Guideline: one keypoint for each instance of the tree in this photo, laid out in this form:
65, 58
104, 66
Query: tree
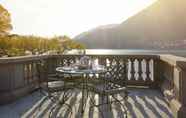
5, 21
4, 45
18, 45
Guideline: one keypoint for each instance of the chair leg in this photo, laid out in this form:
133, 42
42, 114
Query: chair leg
92, 102
61, 103
104, 103
108, 102
52, 109
70, 108
124, 107
64, 99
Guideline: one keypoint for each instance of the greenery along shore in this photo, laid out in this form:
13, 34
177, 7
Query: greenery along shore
19, 45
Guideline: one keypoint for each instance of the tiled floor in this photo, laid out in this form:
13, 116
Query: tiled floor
142, 103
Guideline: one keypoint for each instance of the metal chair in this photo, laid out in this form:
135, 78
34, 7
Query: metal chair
108, 88
53, 87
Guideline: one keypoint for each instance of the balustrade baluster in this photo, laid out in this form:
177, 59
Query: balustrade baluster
111, 61
26, 74
148, 79
57, 62
140, 70
62, 61
132, 72
32, 72
35, 71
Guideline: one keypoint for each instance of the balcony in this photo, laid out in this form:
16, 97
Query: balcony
156, 84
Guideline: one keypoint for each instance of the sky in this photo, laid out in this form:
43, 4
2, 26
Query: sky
68, 17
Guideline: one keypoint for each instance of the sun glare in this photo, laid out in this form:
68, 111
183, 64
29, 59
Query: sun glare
68, 17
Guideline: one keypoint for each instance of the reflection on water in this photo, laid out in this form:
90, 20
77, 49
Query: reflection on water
125, 51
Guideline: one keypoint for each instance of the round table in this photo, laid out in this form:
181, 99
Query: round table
73, 70
98, 69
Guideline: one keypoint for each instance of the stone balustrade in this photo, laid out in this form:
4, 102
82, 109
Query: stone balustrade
18, 75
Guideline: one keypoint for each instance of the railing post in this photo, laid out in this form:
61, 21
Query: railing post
51, 64
174, 88
157, 73
180, 76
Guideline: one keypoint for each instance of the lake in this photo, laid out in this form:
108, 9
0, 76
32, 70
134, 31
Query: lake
128, 51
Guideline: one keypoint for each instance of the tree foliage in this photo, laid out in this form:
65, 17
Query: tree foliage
5, 21
17, 45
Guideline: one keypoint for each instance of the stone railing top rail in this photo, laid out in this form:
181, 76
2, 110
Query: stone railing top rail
145, 56
174, 60
18, 59
171, 59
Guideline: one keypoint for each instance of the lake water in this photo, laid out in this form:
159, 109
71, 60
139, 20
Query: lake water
129, 51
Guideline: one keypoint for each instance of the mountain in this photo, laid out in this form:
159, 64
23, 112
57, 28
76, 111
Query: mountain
161, 25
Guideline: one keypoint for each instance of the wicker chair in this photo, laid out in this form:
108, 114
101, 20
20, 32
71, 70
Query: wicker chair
53, 86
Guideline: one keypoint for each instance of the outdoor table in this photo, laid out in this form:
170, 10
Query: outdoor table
98, 69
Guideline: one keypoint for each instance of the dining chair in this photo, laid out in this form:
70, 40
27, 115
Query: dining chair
109, 88
53, 87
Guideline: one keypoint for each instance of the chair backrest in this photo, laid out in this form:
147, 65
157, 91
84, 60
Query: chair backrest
116, 75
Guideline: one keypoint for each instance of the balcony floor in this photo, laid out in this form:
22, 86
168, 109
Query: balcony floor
142, 103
